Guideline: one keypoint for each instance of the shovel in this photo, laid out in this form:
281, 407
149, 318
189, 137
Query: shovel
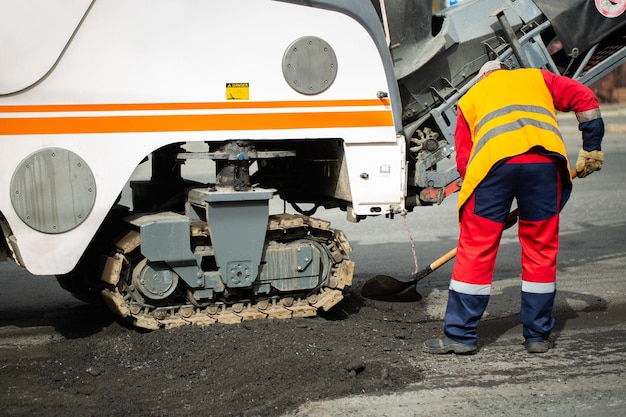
386, 288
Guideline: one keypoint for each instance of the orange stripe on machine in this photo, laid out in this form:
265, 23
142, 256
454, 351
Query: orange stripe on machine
106, 118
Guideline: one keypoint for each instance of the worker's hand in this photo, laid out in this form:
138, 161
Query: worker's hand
588, 162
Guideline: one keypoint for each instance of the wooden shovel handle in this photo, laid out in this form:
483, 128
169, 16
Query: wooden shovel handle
444, 259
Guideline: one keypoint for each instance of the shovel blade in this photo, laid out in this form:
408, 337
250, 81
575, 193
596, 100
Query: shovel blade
386, 288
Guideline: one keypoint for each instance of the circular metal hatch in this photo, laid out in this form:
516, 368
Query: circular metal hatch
310, 65
53, 190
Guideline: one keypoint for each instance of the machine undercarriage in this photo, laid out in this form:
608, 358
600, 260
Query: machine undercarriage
172, 262
305, 267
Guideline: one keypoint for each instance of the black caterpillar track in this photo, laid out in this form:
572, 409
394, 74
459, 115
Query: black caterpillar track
123, 299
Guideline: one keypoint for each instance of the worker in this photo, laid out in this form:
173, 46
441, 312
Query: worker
508, 146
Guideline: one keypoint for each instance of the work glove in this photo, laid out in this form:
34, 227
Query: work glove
588, 162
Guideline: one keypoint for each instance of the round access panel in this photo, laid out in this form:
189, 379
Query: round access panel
53, 190
310, 65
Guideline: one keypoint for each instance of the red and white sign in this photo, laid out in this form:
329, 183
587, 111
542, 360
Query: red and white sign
611, 8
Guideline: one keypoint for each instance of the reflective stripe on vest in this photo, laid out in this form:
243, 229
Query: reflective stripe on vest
516, 124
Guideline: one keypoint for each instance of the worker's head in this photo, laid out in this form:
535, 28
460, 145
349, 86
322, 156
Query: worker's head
489, 67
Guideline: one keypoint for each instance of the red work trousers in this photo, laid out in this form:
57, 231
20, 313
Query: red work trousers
534, 181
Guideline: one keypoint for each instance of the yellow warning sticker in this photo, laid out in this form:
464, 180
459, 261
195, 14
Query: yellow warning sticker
237, 91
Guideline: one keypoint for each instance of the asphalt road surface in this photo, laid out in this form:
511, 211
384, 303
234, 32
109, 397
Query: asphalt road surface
42, 327
584, 375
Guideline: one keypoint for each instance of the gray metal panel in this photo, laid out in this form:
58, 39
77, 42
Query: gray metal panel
258, 195
310, 65
165, 237
293, 266
237, 224
53, 190
238, 235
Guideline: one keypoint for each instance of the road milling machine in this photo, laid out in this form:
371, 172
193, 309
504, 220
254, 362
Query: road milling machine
334, 104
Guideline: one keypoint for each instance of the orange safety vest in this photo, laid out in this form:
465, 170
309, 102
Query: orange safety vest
508, 113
